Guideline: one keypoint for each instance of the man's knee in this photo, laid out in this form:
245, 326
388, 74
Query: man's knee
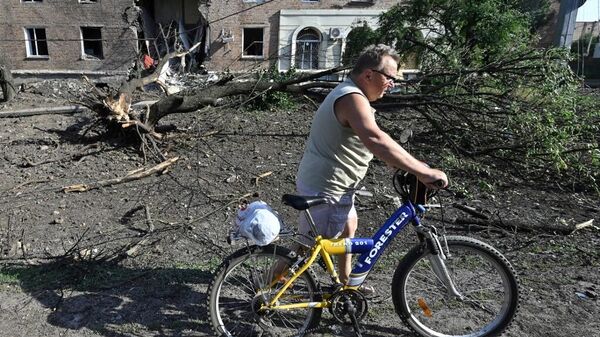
350, 228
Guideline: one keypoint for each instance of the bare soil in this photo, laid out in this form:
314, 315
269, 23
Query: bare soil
180, 219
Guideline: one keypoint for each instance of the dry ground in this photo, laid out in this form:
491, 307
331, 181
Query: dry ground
161, 292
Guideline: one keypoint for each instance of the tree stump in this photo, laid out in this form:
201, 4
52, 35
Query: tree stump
6, 83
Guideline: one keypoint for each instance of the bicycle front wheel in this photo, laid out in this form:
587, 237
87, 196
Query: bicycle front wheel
485, 280
248, 279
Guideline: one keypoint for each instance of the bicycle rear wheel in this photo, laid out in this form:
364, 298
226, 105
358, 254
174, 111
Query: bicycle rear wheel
244, 281
484, 278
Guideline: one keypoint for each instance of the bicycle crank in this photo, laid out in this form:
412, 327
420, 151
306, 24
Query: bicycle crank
349, 307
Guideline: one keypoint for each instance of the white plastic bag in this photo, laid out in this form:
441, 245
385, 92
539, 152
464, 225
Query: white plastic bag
258, 223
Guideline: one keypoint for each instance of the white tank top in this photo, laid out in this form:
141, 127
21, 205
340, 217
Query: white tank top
334, 160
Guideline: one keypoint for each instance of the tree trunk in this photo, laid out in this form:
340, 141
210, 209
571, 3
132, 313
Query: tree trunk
6, 83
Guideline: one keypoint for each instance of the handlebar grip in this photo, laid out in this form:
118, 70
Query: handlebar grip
439, 184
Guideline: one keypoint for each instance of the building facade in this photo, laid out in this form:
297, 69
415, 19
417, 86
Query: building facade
54, 38
45, 38
304, 34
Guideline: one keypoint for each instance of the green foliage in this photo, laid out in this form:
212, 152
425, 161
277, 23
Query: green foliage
538, 12
272, 100
358, 38
491, 93
455, 34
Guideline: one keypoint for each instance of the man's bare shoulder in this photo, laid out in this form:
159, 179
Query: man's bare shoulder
351, 106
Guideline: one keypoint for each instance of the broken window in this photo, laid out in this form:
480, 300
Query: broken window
253, 42
31, 0
87, 1
91, 38
35, 43
308, 43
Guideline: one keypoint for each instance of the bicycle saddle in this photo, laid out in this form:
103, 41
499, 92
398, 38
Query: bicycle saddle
301, 203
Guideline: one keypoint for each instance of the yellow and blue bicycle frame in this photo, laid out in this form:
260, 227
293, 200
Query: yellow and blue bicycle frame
370, 249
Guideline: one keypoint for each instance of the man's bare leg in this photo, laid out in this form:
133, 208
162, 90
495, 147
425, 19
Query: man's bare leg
345, 261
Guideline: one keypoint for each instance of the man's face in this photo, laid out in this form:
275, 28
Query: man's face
382, 78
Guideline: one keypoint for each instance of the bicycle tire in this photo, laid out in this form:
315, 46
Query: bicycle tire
423, 304
240, 284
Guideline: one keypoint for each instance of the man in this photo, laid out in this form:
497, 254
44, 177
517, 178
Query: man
343, 138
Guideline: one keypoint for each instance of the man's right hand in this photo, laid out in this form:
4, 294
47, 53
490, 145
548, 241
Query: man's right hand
434, 179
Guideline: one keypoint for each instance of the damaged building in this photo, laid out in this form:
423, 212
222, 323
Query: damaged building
106, 38
58, 39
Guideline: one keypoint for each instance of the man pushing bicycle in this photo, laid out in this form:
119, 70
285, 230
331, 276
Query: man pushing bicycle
343, 138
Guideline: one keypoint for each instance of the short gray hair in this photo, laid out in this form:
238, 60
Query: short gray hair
371, 57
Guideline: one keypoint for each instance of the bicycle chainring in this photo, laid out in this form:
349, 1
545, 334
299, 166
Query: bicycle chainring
346, 301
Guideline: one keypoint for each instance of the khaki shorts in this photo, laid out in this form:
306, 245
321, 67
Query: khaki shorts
330, 218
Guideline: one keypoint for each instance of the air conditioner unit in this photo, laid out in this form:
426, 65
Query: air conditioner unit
336, 33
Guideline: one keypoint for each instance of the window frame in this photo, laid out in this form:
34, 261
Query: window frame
31, 1
89, 57
316, 43
262, 49
29, 40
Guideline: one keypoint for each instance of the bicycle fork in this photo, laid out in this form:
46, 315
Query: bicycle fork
437, 258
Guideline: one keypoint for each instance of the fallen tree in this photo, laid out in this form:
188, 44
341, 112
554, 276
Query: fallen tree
484, 88
491, 95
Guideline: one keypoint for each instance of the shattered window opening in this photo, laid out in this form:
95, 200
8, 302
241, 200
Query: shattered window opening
36, 44
308, 43
88, 1
91, 40
31, 0
253, 42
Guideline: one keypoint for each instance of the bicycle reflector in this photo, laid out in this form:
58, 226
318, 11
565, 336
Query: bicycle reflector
424, 307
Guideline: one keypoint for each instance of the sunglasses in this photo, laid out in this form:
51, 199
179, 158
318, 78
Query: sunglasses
388, 77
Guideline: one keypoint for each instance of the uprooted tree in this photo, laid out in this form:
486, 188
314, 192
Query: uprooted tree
484, 86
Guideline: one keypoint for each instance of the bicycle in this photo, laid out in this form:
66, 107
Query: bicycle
444, 286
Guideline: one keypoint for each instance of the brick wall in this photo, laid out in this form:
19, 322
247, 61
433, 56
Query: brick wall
266, 15
62, 21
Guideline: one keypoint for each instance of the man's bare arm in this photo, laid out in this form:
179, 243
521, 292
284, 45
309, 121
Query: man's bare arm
355, 111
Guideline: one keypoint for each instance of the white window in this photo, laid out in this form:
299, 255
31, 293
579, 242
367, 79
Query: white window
253, 42
308, 43
35, 42
91, 43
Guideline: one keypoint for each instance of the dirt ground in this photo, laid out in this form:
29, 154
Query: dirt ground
175, 225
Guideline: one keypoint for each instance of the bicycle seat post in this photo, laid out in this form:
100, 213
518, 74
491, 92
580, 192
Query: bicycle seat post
311, 222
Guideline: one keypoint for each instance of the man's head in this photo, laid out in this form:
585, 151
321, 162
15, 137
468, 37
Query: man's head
375, 70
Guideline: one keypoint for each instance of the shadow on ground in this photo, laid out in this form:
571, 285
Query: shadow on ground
118, 301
